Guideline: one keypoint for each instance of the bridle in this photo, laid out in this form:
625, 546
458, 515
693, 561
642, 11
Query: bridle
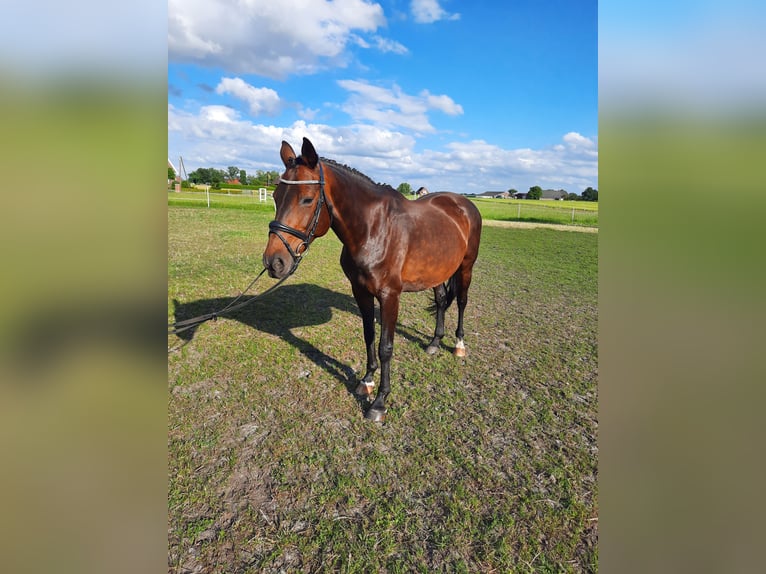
277, 227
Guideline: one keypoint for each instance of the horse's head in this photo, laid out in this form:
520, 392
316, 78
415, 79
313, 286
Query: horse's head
302, 210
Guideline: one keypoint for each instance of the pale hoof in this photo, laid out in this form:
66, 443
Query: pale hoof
460, 349
375, 415
432, 349
364, 390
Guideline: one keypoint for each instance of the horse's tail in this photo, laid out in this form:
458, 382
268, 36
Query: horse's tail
451, 287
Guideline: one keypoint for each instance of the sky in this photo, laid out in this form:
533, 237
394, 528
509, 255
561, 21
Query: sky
454, 96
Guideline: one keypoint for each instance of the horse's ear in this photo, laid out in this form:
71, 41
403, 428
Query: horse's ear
287, 154
309, 153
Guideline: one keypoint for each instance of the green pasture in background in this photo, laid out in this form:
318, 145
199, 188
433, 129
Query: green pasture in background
580, 213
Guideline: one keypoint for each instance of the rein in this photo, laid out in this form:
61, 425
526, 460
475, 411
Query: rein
275, 227
181, 326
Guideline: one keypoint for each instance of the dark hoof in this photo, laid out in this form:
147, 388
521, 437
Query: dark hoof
375, 415
432, 349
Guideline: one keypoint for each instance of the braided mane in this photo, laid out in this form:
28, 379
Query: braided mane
356, 173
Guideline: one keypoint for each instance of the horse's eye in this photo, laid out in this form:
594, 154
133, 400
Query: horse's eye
307, 200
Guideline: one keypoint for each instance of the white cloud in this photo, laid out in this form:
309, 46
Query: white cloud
393, 108
273, 39
428, 11
223, 114
259, 100
308, 113
443, 103
387, 45
216, 136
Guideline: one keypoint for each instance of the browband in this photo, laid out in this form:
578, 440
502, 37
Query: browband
300, 181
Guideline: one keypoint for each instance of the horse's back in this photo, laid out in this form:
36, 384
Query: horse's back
458, 208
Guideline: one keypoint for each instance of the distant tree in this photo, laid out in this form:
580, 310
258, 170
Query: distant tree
572, 197
171, 173
404, 188
590, 194
242, 176
207, 175
535, 192
196, 176
512, 192
232, 172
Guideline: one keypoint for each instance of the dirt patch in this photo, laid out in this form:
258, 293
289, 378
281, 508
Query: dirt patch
533, 225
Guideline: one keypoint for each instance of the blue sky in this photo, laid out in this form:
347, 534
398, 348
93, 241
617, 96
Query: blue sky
457, 96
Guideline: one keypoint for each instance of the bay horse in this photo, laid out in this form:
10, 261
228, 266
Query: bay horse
390, 244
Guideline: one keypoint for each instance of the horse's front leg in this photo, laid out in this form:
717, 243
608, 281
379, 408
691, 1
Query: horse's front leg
389, 312
366, 303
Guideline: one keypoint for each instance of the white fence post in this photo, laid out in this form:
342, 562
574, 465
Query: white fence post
262, 194
207, 192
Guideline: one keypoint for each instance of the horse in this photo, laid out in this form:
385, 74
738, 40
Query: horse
390, 245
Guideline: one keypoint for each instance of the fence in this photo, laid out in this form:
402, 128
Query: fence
556, 214
560, 212
224, 197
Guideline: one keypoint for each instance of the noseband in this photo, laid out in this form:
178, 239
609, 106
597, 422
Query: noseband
277, 227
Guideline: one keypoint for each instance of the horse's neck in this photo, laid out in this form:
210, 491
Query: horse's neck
354, 205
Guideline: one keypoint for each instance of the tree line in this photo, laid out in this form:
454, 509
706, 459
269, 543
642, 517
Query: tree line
536, 192
216, 177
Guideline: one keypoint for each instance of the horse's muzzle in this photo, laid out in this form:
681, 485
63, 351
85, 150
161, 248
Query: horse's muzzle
276, 266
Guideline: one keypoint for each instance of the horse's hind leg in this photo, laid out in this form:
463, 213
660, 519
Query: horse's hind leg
440, 303
464, 275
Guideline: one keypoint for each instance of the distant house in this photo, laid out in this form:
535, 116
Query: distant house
421, 191
555, 194
177, 179
495, 194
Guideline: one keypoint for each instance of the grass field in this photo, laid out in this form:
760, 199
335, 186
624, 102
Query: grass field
487, 463
580, 213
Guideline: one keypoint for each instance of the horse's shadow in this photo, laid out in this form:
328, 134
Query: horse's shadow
287, 309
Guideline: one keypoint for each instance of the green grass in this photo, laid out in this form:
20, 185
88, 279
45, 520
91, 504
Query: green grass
582, 213
487, 462
219, 199
560, 212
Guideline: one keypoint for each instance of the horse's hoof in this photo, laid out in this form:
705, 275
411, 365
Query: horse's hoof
432, 349
376, 415
364, 390
460, 349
